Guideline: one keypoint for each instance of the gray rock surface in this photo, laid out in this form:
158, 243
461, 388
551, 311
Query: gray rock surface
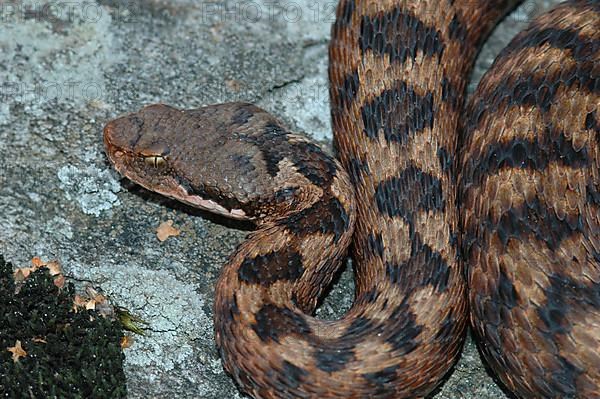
67, 68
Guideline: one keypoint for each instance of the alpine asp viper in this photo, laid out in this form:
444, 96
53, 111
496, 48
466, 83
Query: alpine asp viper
521, 161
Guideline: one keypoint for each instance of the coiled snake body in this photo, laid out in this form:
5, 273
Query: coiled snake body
528, 187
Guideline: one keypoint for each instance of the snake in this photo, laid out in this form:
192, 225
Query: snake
455, 213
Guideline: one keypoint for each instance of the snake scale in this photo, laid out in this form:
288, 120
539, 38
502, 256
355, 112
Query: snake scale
524, 172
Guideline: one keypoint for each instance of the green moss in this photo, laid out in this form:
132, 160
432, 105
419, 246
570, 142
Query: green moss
81, 356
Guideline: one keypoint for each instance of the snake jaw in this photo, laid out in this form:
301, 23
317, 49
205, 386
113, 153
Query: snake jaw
169, 186
179, 193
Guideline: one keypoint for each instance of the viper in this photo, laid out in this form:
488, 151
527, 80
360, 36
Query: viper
504, 191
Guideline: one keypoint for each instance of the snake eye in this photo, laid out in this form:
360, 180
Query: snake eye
155, 160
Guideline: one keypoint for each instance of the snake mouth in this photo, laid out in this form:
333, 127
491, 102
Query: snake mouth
178, 192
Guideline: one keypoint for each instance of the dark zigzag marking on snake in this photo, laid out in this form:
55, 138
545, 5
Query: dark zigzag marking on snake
334, 358
403, 338
293, 374
487, 7
563, 295
399, 112
332, 355
506, 290
522, 153
274, 323
582, 48
326, 217
562, 382
531, 219
284, 264
397, 196
533, 155
381, 380
505, 293
274, 146
357, 170
269, 143
537, 90
457, 30
347, 91
451, 94
369, 296
592, 123
503, 296
447, 161
446, 332
345, 12
375, 244
231, 309
399, 34
433, 269
496, 308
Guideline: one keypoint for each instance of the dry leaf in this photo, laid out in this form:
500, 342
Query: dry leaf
166, 230
90, 305
22, 273
93, 300
17, 351
95, 296
79, 301
60, 281
40, 340
37, 262
54, 268
126, 341
99, 298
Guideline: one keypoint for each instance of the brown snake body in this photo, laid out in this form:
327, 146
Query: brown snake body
529, 194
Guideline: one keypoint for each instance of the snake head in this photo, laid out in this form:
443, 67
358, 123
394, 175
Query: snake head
232, 159
176, 153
